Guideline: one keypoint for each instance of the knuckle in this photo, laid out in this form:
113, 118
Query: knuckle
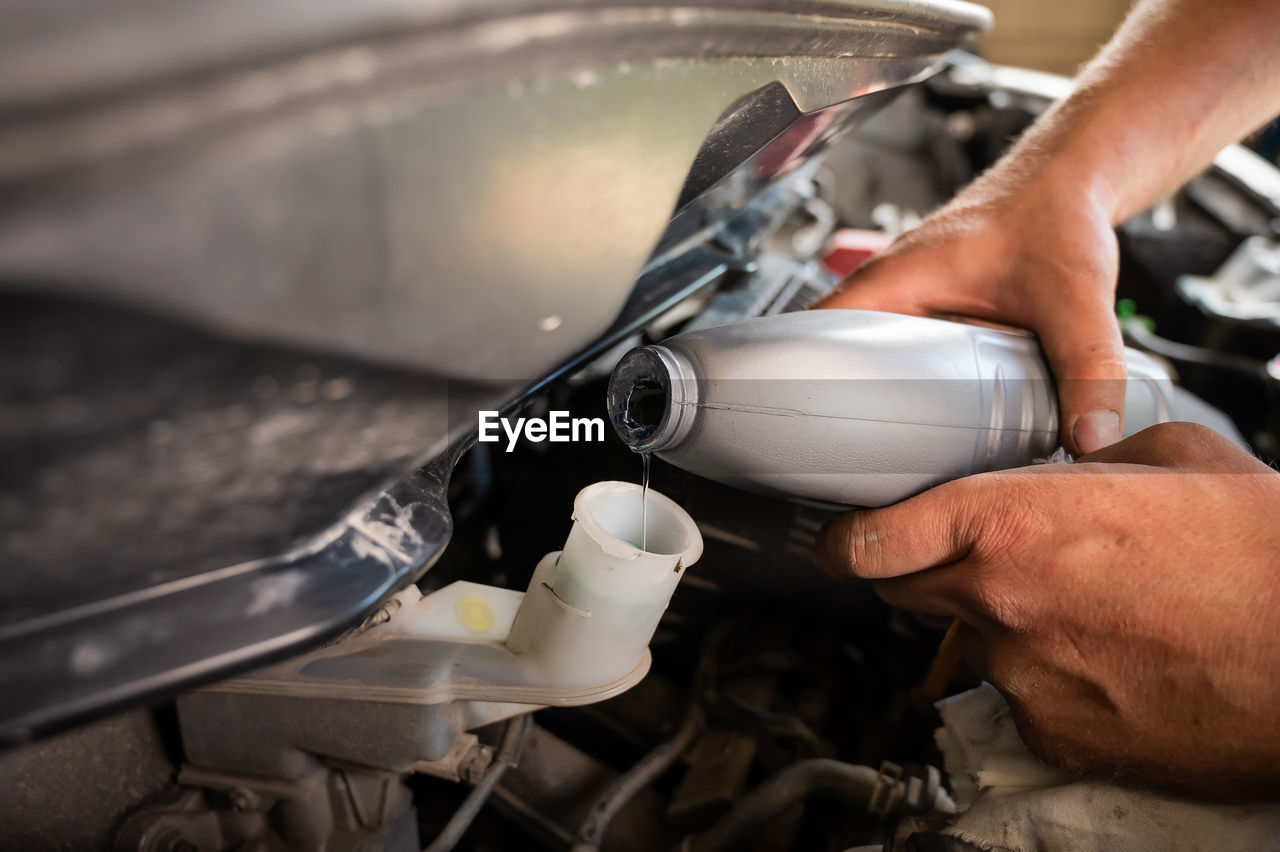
864, 546
1000, 540
848, 546
1182, 438
1092, 368
1004, 510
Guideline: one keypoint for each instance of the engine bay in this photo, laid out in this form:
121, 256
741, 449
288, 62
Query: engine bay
782, 709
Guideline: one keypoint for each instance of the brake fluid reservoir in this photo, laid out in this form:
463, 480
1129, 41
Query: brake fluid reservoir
853, 407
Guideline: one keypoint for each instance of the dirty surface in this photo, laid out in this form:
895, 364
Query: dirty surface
135, 451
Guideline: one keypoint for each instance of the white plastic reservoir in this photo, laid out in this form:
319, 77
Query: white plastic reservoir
592, 608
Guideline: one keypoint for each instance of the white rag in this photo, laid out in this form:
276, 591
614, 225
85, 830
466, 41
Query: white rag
1012, 802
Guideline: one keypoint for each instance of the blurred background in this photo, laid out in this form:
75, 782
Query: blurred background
1050, 36
1060, 38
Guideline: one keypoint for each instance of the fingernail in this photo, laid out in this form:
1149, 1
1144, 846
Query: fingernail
1096, 429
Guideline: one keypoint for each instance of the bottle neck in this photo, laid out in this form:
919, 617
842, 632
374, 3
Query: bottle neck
652, 398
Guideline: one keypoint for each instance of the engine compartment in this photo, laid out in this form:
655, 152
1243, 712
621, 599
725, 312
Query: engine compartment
769, 678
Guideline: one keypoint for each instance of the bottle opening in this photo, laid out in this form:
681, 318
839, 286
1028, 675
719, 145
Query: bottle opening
645, 405
645, 398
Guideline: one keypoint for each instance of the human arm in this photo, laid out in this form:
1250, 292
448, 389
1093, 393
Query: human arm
1030, 243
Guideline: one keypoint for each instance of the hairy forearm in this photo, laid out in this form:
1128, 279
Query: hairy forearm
1180, 79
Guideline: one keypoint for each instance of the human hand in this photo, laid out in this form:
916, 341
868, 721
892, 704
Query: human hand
1035, 251
1127, 606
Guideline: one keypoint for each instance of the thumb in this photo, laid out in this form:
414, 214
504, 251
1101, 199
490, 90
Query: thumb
1086, 355
934, 528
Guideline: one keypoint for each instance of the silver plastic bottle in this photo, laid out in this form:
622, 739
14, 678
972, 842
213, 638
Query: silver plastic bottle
858, 407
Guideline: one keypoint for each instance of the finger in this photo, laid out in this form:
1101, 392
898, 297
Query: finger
948, 590
1082, 344
935, 528
924, 593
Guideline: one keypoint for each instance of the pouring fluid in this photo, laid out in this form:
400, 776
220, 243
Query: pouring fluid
644, 502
